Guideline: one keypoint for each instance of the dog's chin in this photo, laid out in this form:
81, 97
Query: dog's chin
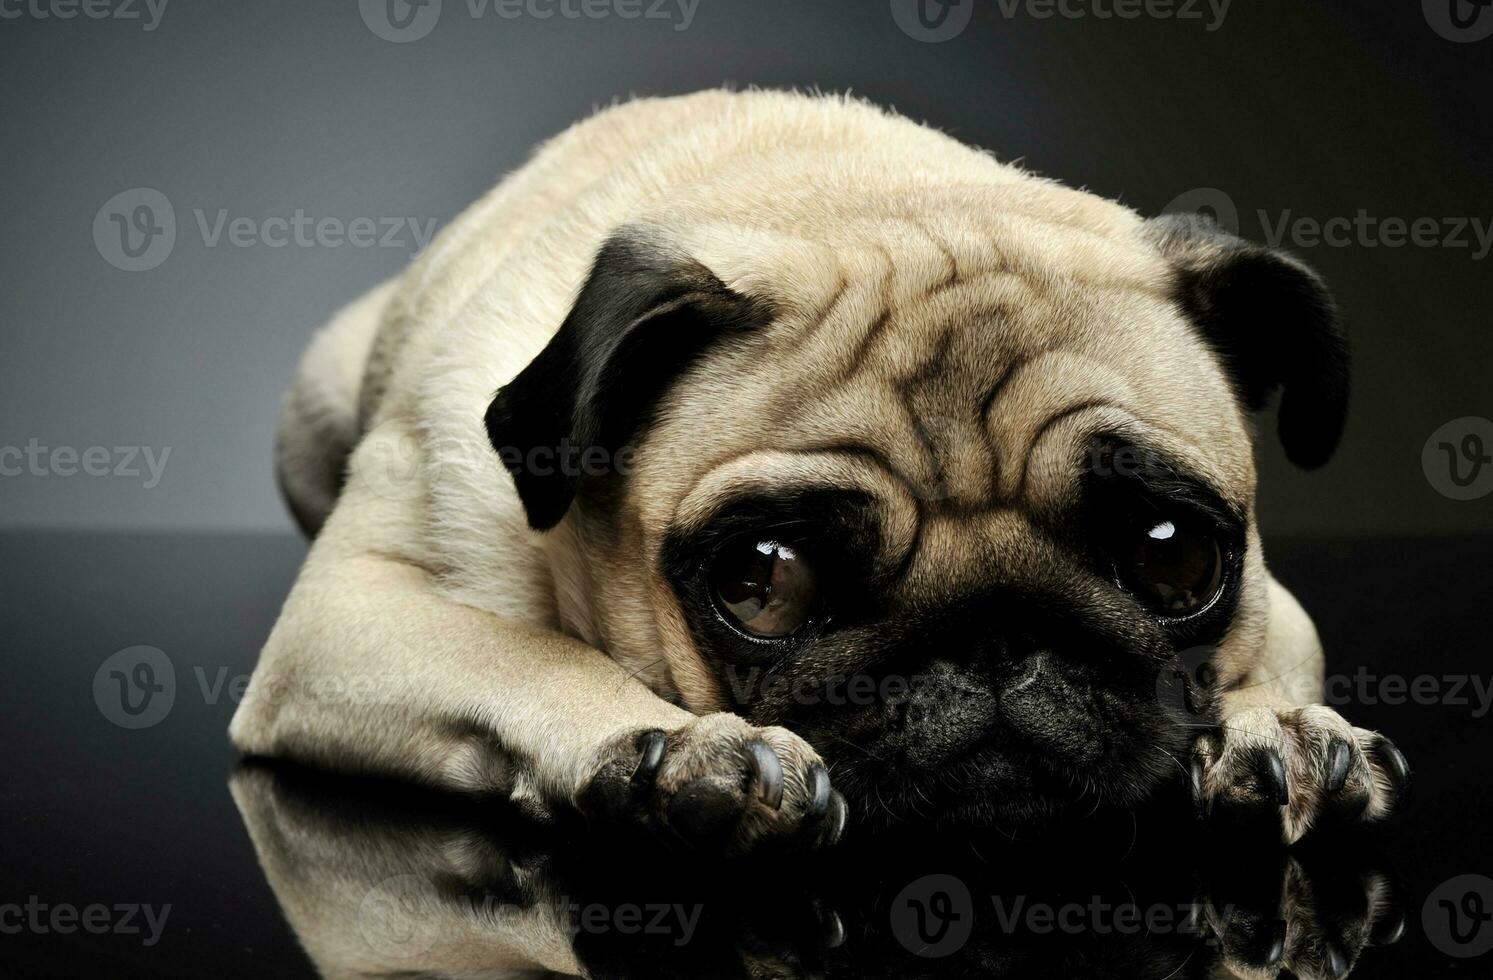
1004, 787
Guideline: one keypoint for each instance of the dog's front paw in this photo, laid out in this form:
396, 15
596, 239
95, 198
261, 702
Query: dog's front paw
719, 785
1292, 769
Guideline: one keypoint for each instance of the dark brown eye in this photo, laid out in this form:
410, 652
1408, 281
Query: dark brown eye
764, 585
1174, 566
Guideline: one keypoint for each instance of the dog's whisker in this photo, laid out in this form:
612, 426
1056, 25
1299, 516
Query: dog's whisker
635, 674
859, 748
1276, 739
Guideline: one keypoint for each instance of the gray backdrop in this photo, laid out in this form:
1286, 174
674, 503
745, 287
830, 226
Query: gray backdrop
230, 116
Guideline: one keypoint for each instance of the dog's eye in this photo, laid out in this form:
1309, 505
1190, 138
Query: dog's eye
1173, 565
765, 586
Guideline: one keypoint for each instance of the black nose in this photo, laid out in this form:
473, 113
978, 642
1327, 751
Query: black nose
1048, 702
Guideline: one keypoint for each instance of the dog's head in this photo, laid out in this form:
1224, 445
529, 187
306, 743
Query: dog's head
946, 492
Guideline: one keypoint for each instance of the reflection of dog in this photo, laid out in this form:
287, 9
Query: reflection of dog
377, 881
861, 372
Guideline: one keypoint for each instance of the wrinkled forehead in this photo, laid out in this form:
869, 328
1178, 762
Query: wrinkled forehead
937, 377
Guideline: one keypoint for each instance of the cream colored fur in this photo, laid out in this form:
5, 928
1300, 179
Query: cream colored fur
493, 658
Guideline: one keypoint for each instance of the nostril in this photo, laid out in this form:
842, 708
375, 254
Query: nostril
1028, 672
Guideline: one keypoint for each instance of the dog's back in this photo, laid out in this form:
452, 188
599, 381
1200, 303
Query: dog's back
550, 215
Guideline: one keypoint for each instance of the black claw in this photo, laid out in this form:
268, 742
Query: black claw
1339, 757
831, 929
767, 772
819, 789
1272, 774
1389, 930
651, 747
1394, 763
1259, 941
836, 819
1334, 962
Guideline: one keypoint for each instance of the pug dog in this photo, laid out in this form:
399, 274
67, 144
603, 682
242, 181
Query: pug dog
749, 460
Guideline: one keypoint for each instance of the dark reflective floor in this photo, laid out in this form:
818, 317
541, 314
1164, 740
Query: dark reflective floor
141, 851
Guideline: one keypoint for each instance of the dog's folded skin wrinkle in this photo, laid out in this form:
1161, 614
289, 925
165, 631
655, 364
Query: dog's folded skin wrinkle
880, 358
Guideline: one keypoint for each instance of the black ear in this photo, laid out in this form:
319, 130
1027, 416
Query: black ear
645, 312
1274, 325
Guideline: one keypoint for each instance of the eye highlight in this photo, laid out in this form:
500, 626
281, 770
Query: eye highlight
1175, 565
766, 587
